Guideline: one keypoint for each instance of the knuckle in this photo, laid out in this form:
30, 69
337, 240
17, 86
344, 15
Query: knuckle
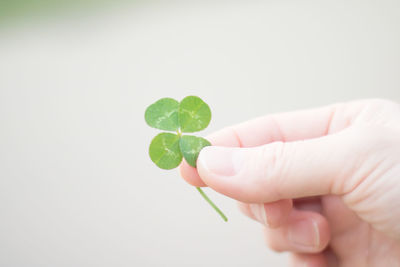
274, 167
272, 157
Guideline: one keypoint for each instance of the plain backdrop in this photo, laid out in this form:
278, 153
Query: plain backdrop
77, 187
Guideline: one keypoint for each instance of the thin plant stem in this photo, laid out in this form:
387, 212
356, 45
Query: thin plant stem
212, 204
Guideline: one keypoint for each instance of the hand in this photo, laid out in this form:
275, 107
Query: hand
325, 182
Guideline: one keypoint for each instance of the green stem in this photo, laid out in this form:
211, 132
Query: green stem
212, 204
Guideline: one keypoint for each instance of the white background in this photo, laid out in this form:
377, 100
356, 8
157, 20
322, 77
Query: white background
77, 187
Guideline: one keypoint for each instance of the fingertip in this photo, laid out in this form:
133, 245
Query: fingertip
324, 231
307, 226
190, 175
216, 169
303, 232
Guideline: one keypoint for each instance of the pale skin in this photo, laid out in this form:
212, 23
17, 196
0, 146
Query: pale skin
324, 182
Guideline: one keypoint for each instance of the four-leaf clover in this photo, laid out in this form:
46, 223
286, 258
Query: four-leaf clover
190, 115
167, 149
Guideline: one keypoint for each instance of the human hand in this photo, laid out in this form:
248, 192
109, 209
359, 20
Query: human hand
324, 182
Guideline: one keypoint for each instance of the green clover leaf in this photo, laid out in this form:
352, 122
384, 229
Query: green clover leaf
163, 114
166, 150
191, 146
194, 114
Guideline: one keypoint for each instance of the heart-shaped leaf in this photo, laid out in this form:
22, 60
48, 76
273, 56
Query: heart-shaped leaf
165, 151
191, 146
194, 114
163, 114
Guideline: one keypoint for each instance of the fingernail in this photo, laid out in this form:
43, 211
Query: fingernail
259, 213
304, 233
221, 160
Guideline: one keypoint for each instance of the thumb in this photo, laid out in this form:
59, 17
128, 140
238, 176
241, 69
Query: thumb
332, 164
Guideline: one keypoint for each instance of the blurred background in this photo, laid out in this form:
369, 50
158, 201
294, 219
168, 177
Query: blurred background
77, 187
